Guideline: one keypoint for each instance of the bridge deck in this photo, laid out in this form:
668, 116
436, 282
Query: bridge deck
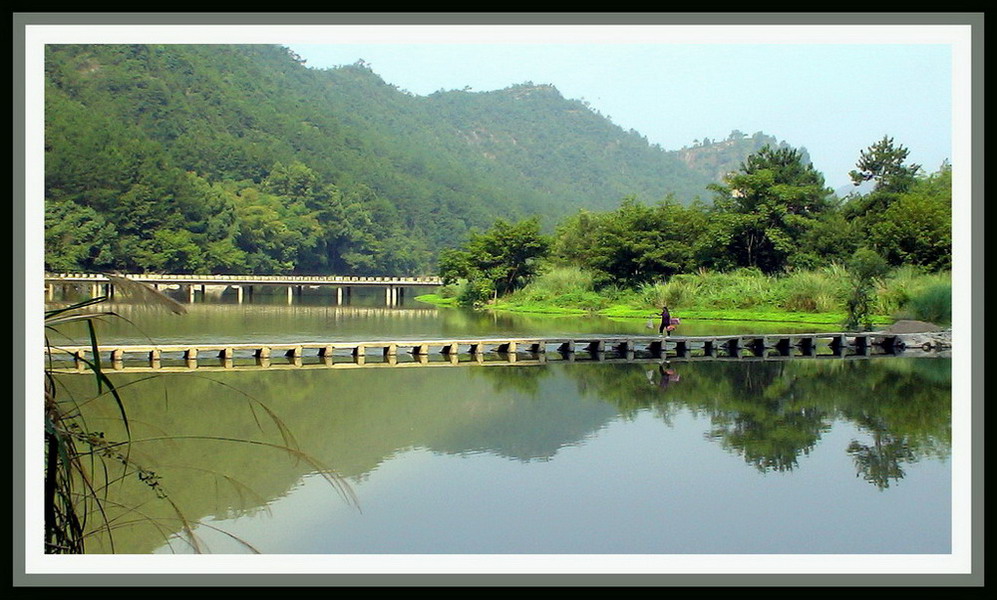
305, 280
727, 346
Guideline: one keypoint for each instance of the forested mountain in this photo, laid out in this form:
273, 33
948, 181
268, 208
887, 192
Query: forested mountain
218, 158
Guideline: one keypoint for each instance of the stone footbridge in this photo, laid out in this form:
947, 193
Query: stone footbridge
478, 351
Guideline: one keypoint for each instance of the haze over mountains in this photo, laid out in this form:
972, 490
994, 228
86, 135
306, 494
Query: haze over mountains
242, 153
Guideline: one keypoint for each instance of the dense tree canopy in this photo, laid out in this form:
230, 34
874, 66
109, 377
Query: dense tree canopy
215, 158
762, 211
773, 214
634, 244
496, 261
907, 217
916, 229
220, 158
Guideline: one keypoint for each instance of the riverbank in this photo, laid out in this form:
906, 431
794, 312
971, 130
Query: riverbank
625, 311
819, 296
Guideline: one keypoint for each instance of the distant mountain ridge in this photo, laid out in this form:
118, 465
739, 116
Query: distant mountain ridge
195, 139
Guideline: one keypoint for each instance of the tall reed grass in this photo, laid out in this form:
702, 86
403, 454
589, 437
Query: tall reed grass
742, 289
911, 293
903, 293
84, 465
562, 286
816, 291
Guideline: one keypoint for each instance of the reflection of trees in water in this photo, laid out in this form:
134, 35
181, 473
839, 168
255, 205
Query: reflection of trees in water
765, 418
628, 387
772, 413
882, 460
544, 415
907, 416
351, 420
524, 380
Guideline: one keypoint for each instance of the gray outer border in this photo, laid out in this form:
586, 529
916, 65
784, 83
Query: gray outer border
973, 19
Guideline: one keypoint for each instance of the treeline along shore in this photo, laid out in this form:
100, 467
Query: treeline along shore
774, 244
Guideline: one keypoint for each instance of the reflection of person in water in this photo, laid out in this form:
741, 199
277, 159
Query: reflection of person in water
666, 375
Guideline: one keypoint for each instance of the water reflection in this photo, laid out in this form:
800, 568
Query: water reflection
317, 318
666, 375
771, 414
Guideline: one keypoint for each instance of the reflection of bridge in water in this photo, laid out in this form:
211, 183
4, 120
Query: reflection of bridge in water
484, 352
244, 285
414, 310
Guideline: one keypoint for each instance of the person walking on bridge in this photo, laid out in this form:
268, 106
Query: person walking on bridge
666, 321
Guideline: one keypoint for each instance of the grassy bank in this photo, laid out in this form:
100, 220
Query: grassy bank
817, 296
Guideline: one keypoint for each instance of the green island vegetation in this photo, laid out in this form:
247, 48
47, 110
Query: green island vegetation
775, 245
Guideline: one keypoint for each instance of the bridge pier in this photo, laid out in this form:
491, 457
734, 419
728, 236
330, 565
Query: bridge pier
99, 289
838, 344
393, 295
192, 289
755, 345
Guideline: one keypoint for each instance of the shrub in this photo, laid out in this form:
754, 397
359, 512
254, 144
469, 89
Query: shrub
678, 291
476, 292
452, 290
742, 288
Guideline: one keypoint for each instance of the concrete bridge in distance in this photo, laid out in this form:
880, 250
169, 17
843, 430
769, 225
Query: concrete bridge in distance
394, 287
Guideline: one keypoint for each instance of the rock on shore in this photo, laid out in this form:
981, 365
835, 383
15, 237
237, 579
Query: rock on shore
911, 326
920, 334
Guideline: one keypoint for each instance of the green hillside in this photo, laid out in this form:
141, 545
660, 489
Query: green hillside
217, 158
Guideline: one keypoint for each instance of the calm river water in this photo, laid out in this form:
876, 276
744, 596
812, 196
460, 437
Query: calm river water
584, 457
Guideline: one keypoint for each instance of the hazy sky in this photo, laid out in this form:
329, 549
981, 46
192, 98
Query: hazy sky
834, 99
